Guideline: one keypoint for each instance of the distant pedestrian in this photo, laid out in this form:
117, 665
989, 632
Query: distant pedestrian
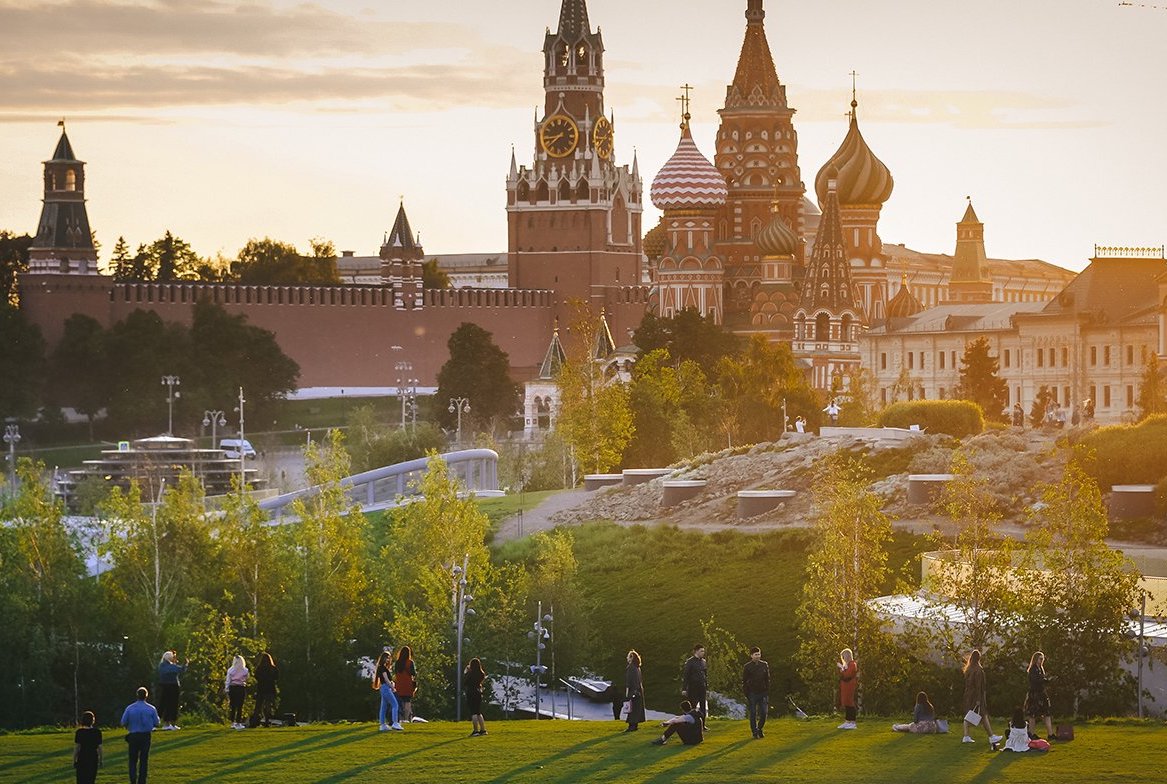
1037, 705
756, 685
169, 685
687, 725
405, 681
848, 682
832, 411
139, 718
235, 684
634, 692
472, 679
266, 676
383, 683
695, 681
87, 749
1018, 415
976, 697
800, 425
1088, 408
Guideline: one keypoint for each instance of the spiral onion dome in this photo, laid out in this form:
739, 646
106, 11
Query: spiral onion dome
904, 304
688, 181
863, 178
777, 238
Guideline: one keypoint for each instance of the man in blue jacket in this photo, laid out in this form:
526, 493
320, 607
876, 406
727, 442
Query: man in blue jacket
139, 718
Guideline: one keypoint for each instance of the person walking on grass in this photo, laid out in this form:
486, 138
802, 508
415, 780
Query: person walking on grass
634, 692
472, 680
976, 698
695, 681
87, 749
756, 685
266, 676
235, 685
405, 681
383, 683
687, 725
848, 683
1037, 698
139, 718
168, 688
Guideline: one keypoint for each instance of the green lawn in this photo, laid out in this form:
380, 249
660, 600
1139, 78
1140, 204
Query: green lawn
526, 751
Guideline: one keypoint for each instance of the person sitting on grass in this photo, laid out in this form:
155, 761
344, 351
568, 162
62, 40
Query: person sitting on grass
923, 718
687, 725
1018, 739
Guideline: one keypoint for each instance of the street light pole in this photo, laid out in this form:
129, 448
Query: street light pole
460, 599
170, 382
539, 634
242, 451
12, 438
460, 405
215, 420
406, 386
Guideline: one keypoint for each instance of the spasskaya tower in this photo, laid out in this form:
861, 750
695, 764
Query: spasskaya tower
573, 215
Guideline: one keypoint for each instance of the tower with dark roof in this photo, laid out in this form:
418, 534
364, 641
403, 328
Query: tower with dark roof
757, 153
63, 242
970, 280
828, 319
401, 259
573, 215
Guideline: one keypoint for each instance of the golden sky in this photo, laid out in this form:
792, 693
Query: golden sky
221, 120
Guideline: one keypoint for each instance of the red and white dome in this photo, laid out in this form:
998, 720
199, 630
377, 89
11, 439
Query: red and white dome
688, 181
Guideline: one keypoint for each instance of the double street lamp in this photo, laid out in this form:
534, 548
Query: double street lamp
214, 420
407, 391
460, 599
541, 632
12, 438
170, 382
461, 405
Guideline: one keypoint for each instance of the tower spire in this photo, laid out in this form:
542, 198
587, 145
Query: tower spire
756, 80
573, 19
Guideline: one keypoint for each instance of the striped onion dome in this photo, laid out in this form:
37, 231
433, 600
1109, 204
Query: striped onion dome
688, 181
863, 178
777, 238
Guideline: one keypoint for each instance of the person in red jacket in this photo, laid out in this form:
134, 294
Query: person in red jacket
848, 680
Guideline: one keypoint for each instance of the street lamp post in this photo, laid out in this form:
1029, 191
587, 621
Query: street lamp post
460, 599
540, 633
12, 438
170, 382
214, 420
460, 405
242, 450
1141, 650
406, 389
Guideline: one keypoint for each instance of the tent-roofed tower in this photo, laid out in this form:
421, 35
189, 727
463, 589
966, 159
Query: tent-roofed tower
401, 259
573, 215
757, 153
63, 242
971, 280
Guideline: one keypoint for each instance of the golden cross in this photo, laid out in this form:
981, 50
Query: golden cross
684, 99
853, 76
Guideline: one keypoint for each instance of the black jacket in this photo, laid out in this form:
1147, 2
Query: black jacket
695, 676
756, 677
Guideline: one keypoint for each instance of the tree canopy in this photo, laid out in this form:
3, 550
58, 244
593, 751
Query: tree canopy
480, 371
13, 261
269, 262
22, 357
687, 336
980, 382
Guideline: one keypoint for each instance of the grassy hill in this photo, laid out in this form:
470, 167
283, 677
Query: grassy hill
549, 752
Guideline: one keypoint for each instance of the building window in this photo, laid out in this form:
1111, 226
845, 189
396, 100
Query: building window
922, 395
883, 361
1093, 356
941, 358
1130, 354
942, 388
1007, 357
1106, 396
1017, 394
921, 364
1052, 360
1065, 357
911, 363
1130, 396
1094, 393
1106, 356
1040, 358
883, 395
952, 356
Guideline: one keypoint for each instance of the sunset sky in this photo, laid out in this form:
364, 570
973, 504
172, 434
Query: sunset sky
221, 120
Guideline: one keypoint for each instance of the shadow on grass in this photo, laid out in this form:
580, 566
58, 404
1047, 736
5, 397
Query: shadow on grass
292, 748
510, 775
359, 769
690, 765
114, 754
33, 759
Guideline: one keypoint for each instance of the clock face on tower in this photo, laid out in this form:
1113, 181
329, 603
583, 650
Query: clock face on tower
559, 135
602, 137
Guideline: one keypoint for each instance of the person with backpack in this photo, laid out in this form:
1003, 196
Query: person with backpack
695, 681
383, 683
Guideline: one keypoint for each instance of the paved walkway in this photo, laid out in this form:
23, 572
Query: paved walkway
539, 517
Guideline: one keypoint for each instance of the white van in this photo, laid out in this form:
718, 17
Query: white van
235, 448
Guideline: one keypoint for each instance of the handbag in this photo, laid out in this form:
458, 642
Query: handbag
1064, 732
972, 717
942, 725
626, 708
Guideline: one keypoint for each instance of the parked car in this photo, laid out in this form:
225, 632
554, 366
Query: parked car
235, 448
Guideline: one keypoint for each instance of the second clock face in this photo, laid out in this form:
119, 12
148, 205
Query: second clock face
602, 137
559, 135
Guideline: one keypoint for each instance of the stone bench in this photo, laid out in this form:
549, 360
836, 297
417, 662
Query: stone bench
1128, 502
678, 490
638, 476
596, 481
926, 488
751, 503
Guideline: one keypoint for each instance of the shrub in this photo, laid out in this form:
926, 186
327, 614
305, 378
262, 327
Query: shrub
1125, 454
957, 418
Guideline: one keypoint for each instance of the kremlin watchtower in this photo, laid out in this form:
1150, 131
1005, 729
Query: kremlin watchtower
63, 242
970, 281
574, 215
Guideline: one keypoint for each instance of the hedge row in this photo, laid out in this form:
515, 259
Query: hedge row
957, 418
1126, 454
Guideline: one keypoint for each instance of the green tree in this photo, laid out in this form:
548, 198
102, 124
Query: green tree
121, 262
215, 639
904, 386
687, 336
141, 349
670, 411
555, 582
375, 443
1152, 388
1042, 402
754, 385
433, 276
173, 259
846, 568
725, 656
13, 261
478, 370
79, 367
1080, 591
857, 398
254, 556
270, 262
595, 417
980, 382
22, 357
